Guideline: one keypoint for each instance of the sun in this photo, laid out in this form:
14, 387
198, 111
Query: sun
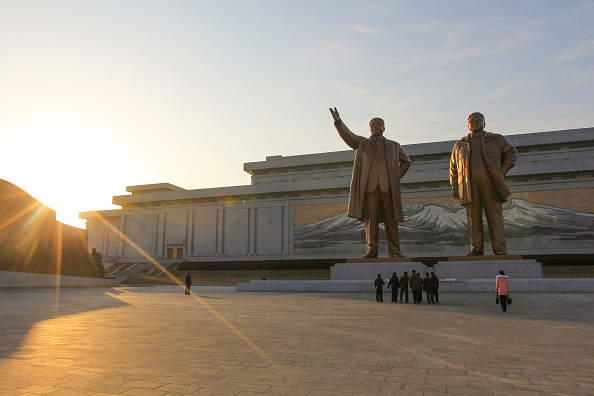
64, 161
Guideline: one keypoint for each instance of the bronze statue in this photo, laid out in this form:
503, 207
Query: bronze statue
478, 167
380, 163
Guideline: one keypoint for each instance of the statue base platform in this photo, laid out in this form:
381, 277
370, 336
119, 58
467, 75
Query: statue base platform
369, 268
381, 260
491, 257
472, 274
458, 267
488, 268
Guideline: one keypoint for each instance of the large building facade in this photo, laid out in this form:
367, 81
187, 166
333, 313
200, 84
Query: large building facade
295, 208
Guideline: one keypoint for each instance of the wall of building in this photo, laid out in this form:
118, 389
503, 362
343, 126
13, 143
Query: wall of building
296, 207
437, 227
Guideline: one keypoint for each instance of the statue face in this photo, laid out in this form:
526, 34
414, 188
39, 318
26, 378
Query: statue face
476, 123
376, 127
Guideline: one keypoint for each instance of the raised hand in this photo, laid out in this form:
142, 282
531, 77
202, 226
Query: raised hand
335, 114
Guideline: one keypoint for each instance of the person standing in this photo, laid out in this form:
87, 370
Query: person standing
435, 287
379, 288
188, 283
416, 285
428, 287
375, 195
393, 283
478, 166
502, 289
404, 287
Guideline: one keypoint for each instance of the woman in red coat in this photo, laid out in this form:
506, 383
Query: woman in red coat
502, 289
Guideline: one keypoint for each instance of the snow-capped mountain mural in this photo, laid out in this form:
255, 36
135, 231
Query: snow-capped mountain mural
442, 229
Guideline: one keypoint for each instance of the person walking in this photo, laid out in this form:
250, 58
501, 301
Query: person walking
404, 287
393, 283
502, 289
435, 287
416, 285
379, 288
188, 283
428, 287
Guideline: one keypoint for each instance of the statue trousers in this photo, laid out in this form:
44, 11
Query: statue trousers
376, 201
483, 198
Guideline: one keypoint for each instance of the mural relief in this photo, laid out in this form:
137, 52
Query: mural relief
442, 229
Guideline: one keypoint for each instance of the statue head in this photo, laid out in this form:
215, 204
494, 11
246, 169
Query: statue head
377, 127
476, 122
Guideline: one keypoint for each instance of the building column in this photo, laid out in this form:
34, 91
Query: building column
220, 231
122, 242
253, 229
189, 233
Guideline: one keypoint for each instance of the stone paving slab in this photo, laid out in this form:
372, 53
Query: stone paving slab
158, 341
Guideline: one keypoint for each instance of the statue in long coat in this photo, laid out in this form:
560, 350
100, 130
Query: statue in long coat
375, 194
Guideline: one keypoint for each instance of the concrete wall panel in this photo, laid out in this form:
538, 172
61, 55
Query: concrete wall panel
97, 239
269, 230
235, 231
112, 240
175, 226
139, 230
205, 233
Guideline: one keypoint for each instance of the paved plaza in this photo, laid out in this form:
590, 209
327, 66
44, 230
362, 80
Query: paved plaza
158, 341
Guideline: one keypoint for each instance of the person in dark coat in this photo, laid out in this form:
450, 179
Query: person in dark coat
188, 283
435, 287
379, 288
404, 287
394, 284
428, 287
416, 285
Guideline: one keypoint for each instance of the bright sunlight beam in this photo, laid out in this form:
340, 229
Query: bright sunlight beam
68, 163
207, 306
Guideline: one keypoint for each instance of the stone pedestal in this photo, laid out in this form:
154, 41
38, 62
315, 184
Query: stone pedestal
369, 268
488, 268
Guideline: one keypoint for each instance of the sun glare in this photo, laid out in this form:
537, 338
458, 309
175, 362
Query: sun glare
65, 162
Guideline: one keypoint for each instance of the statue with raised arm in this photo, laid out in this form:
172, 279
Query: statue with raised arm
478, 167
374, 198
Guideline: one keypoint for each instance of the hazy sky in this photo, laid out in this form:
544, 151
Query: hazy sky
99, 95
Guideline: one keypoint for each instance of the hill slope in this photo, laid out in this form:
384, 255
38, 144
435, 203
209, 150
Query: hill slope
31, 238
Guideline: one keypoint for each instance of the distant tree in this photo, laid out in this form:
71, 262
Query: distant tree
97, 262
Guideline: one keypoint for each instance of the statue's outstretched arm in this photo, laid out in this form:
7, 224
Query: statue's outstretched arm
349, 137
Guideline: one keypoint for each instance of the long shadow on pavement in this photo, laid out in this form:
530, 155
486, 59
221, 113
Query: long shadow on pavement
21, 309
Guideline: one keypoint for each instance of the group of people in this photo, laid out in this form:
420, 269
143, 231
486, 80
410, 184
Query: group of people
429, 284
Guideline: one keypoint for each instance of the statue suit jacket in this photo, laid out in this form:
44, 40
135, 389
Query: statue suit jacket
397, 165
500, 157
